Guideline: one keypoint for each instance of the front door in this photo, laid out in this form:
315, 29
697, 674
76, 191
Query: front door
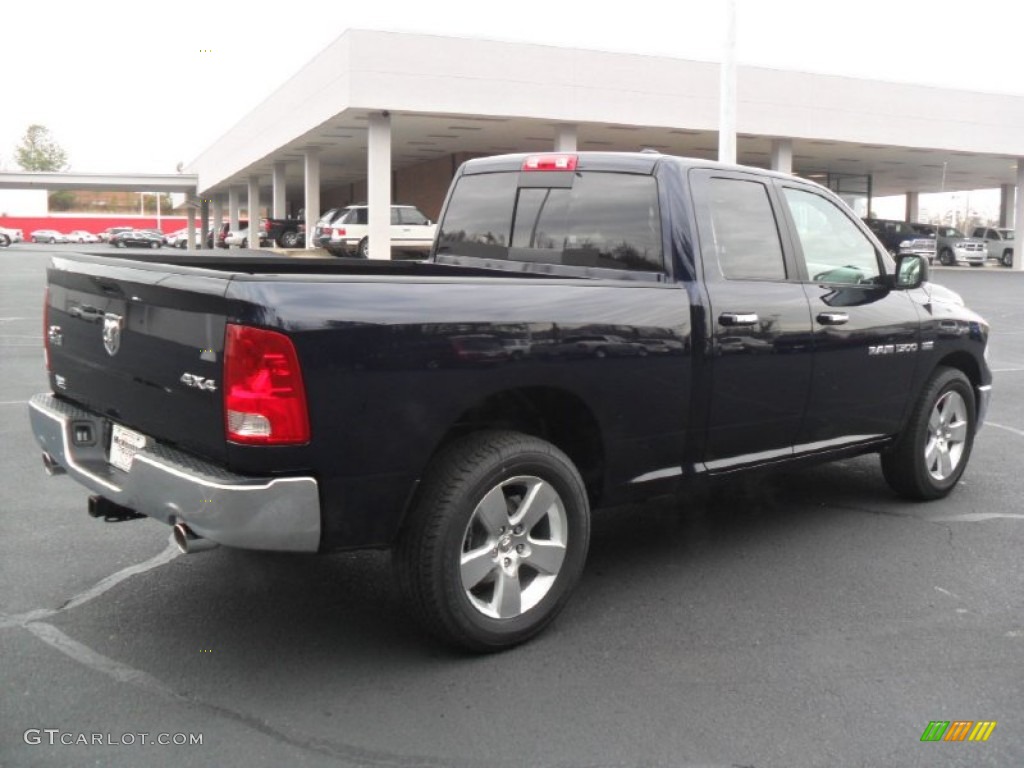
866, 335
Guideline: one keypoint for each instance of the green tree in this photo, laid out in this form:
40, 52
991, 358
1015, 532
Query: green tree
38, 151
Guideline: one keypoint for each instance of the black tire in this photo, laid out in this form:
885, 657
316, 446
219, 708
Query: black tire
245, 242
913, 466
946, 258
1007, 258
289, 239
120, 244
4, 241
450, 518
183, 244
363, 251
53, 241
154, 245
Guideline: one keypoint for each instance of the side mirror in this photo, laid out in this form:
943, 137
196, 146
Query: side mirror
911, 271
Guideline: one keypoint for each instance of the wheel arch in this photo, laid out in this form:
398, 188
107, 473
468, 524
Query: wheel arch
964, 363
561, 417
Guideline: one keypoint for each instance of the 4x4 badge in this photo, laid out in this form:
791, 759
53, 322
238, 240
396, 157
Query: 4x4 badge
112, 325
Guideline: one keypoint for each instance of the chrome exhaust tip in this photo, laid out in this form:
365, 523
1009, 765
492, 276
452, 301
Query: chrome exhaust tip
188, 542
52, 467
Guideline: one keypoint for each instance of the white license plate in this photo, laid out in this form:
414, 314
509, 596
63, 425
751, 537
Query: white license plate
124, 444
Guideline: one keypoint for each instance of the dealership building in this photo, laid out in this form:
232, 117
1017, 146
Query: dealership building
382, 117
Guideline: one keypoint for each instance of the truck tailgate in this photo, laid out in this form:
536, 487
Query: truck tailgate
141, 344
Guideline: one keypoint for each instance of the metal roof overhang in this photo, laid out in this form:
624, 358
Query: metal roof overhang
449, 96
108, 182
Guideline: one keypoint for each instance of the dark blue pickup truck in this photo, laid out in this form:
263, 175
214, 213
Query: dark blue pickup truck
590, 329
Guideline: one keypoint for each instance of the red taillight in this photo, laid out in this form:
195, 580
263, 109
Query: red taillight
550, 163
337, 232
46, 329
266, 226
264, 397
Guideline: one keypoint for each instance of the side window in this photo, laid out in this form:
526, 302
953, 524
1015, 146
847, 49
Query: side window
743, 232
394, 217
834, 249
413, 216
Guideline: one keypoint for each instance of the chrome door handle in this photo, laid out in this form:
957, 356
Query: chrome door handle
738, 318
833, 318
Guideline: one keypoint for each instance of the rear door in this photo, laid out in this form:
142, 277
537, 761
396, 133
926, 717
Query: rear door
760, 325
866, 335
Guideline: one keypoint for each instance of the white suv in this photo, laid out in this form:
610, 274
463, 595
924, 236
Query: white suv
344, 231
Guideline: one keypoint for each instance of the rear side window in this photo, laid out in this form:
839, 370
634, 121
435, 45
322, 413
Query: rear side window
743, 230
605, 220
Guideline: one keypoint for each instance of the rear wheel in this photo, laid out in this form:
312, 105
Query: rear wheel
364, 248
245, 242
496, 542
53, 240
946, 258
289, 239
4, 241
154, 245
1007, 258
932, 452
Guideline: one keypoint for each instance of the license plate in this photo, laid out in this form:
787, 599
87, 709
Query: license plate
124, 444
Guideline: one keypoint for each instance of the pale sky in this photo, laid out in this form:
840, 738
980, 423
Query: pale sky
140, 86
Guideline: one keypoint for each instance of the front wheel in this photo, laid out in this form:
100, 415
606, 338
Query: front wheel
496, 542
932, 452
154, 245
946, 258
53, 240
1007, 258
245, 242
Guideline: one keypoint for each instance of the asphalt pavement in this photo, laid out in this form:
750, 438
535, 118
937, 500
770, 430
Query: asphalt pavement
812, 619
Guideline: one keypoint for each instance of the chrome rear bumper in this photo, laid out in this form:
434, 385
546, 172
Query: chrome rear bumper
174, 487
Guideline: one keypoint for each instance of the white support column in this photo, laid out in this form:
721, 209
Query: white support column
233, 208
218, 217
378, 185
1018, 218
311, 169
1007, 200
253, 207
565, 138
782, 155
190, 221
912, 207
279, 191
204, 223
727, 89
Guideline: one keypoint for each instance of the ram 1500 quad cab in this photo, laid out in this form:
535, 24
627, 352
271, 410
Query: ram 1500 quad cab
590, 329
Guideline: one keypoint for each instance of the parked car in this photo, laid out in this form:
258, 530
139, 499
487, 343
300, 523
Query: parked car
952, 246
998, 242
137, 238
285, 433
345, 231
240, 238
900, 237
12, 235
109, 232
179, 239
285, 233
81, 236
49, 236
